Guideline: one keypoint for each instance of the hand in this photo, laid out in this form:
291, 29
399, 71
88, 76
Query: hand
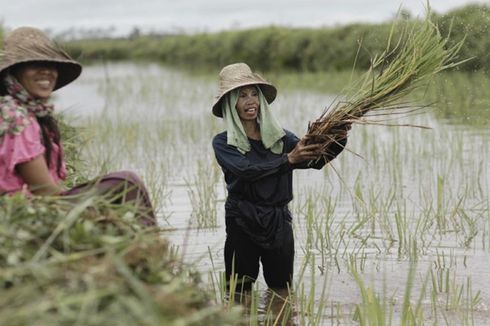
302, 152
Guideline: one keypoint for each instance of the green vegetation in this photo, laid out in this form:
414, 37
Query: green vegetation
92, 263
289, 49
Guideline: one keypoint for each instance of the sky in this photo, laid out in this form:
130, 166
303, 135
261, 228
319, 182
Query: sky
122, 16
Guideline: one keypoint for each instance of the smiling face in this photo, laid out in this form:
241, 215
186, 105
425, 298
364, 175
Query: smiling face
248, 104
38, 78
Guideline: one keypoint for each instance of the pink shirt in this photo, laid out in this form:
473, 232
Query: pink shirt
21, 148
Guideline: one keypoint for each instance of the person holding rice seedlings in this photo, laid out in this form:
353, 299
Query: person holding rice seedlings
257, 157
31, 156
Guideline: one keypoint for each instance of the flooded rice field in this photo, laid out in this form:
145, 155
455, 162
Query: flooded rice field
398, 225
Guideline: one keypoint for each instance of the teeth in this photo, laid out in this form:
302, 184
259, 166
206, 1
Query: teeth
44, 83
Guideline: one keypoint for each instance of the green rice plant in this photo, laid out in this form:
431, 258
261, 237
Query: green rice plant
383, 203
458, 301
456, 215
441, 280
218, 287
461, 296
357, 264
373, 311
485, 240
320, 228
413, 315
376, 310
402, 229
157, 181
203, 196
469, 227
408, 240
440, 212
444, 261
310, 303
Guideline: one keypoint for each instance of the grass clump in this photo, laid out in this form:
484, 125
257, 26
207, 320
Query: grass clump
92, 263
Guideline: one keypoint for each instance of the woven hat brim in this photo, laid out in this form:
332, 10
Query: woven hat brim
68, 71
267, 89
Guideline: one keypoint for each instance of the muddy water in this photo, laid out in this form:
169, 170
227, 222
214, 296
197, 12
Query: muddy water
397, 197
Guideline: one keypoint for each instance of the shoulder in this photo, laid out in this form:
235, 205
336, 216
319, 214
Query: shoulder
220, 139
13, 117
290, 136
290, 140
221, 146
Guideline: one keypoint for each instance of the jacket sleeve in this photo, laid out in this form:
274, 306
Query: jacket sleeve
230, 159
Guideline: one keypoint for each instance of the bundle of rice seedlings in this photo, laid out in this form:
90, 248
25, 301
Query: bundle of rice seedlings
420, 53
92, 263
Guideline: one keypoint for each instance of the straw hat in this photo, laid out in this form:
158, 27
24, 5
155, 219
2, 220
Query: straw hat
237, 75
28, 44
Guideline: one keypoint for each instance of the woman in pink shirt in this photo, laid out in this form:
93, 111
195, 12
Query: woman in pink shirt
31, 154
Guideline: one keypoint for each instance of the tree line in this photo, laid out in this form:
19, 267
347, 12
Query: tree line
291, 49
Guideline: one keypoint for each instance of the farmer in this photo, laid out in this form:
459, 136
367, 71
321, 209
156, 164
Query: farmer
258, 157
31, 154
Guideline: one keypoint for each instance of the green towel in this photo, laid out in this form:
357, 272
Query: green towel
270, 130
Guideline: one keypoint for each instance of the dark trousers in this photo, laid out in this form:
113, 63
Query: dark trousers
242, 258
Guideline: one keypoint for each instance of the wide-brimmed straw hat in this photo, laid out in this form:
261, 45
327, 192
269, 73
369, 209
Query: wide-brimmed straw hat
29, 44
237, 75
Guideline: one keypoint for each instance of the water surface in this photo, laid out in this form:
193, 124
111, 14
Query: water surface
396, 197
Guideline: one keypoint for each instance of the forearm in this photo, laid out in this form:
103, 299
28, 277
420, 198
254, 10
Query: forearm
46, 189
35, 174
